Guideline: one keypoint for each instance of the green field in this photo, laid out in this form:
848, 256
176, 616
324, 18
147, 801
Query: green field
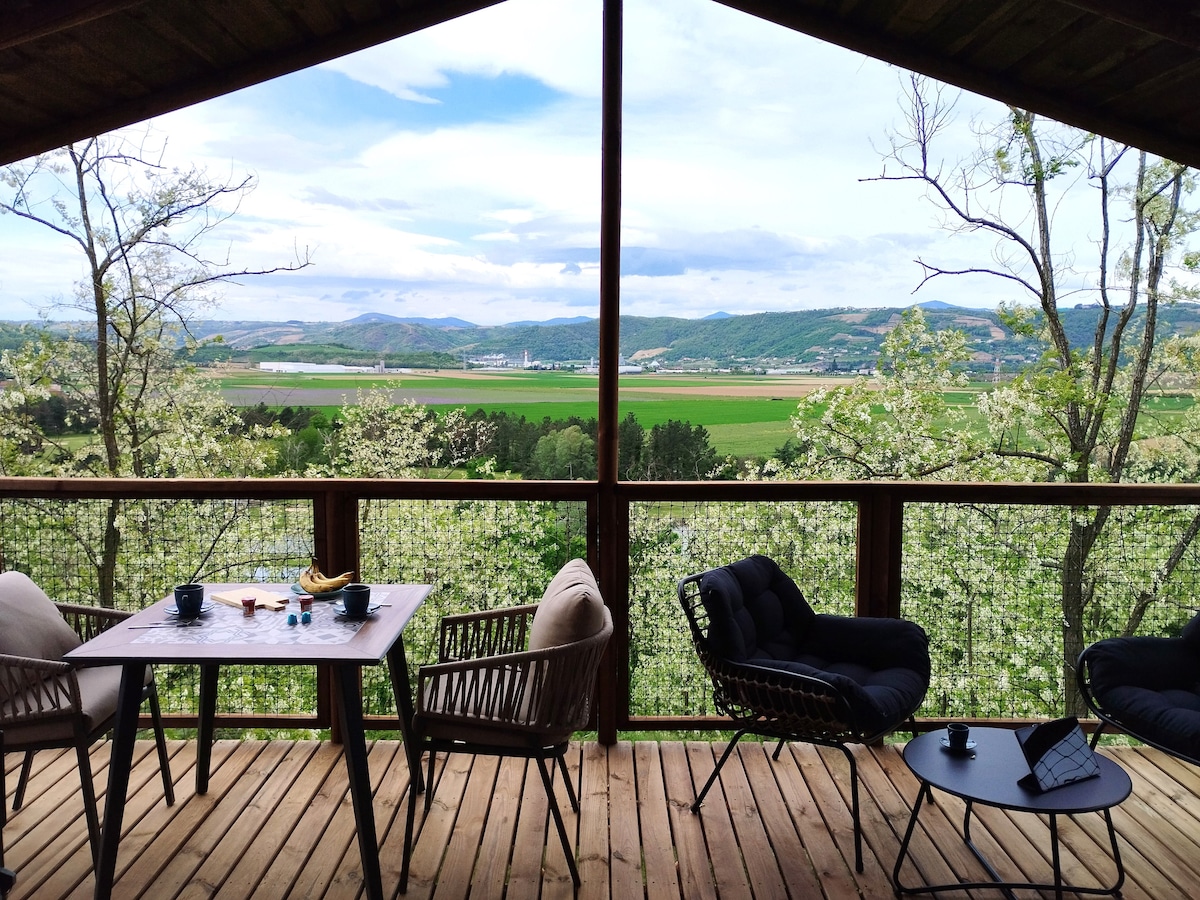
746, 415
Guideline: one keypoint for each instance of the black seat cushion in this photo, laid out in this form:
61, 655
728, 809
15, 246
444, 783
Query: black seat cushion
757, 615
755, 610
1151, 686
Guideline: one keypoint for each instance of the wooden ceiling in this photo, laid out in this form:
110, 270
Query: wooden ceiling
73, 68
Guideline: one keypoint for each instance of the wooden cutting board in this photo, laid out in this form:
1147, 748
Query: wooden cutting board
263, 599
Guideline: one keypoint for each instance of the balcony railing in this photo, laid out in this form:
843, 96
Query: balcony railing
978, 565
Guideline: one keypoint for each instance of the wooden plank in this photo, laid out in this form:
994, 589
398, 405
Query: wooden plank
1157, 787
391, 808
625, 856
725, 856
52, 802
778, 790
635, 804
758, 855
147, 818
310, 829
56, 857
498, 829
334, 869
807, 855
172, 859
529, 841
432, 835
459, 862
893, 790
596, 841
695, 870
249, 841
948, 826
556, 876
48, 767
662, 875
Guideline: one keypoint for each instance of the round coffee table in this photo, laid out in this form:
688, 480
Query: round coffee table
988, 774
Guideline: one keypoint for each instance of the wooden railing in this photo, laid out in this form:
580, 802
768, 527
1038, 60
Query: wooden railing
337, 504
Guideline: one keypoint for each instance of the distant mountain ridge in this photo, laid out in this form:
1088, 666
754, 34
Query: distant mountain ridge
823, 339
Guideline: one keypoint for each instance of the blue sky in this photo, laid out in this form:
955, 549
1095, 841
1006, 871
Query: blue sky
456, 172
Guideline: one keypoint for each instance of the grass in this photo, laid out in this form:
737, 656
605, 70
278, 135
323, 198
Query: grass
746, 415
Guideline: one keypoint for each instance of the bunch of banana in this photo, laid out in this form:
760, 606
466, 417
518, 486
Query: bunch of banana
314, 582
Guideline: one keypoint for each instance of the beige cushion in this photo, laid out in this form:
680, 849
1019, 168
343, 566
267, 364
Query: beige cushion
571, 609
30, 623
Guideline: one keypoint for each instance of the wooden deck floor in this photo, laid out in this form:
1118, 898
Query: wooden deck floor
277, 823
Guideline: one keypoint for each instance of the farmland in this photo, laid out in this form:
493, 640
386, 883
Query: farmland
745, 415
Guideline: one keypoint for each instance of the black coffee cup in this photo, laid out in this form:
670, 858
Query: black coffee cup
189, 598
957, 734
356, 598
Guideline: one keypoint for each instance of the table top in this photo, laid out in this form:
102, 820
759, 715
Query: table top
223, 635
989, 775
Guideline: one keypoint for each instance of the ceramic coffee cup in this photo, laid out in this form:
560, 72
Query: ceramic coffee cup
957, 734
189, 598
356, 598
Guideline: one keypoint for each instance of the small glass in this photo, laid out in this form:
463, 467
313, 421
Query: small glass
248, 605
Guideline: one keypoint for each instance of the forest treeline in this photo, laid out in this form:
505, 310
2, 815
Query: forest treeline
550, 448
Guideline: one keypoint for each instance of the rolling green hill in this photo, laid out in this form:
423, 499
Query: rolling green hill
824, 340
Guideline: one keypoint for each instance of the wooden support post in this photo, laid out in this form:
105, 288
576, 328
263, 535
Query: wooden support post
611, 550
880, 544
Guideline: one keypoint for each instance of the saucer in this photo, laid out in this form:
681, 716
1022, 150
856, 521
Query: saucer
173, 610
967, 749
339, 609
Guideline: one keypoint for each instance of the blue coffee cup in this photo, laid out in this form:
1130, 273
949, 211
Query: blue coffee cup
356, 598
189, 599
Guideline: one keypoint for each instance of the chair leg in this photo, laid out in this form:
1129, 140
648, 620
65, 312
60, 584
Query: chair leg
1096, 734
778, 750
410, 820
88, 788
717, 771
858, 859
23, 780
429, 780
160, 739
571, 795
558, 822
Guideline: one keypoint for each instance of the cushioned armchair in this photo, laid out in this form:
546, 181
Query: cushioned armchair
48, 703
781, 670
514, 682
1148, 687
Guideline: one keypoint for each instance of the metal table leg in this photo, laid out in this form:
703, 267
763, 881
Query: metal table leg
996, 881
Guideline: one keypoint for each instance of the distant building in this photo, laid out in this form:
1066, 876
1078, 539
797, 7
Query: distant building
325, 368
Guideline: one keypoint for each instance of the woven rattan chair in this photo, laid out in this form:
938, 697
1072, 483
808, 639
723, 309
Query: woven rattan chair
780, 670
1147, 687
514, 682
47, 703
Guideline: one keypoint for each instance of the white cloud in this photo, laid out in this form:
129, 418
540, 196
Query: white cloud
745, 149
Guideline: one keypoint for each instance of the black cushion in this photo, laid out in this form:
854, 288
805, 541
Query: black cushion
755, 610
1151, 686
757, 615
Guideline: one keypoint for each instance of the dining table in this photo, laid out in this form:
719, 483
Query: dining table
224, 634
